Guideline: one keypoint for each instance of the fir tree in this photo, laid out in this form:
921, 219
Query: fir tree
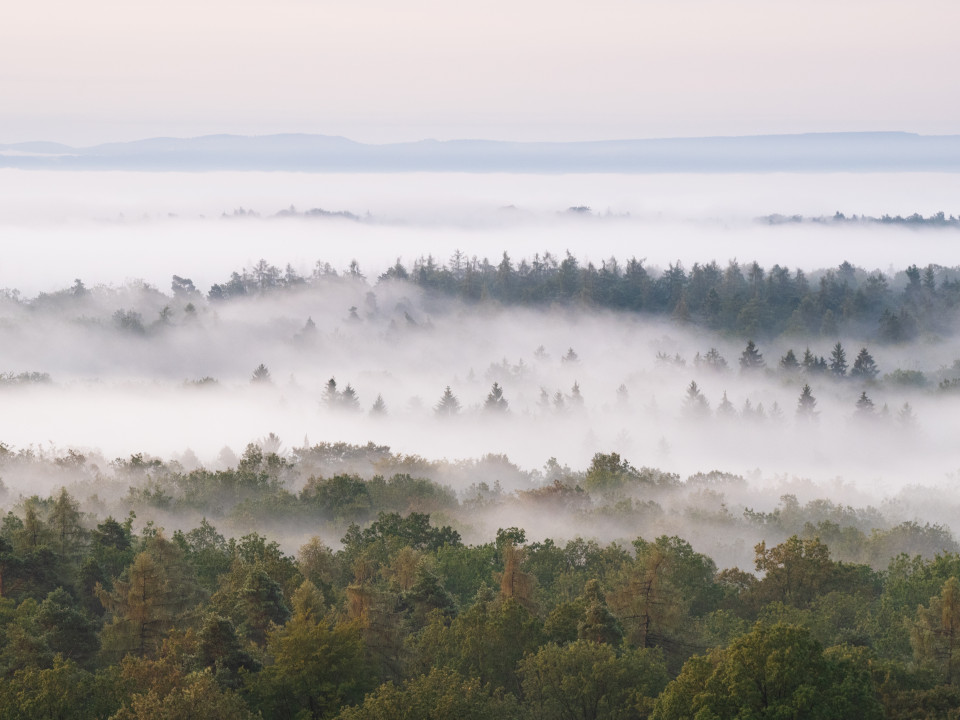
331, 396
806, 405
726, 408
349, 399
448, 405
864, 367
750, 358
712, 359
695, 404
864, 406
789, 362
576, 399
838, 360
260, 374
495, 401
906, 417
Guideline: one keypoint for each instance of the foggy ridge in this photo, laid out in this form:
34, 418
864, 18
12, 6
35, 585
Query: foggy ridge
857, 151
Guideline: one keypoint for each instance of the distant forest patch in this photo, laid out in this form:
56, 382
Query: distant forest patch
939, 219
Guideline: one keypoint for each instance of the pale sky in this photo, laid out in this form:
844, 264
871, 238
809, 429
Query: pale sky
379, 71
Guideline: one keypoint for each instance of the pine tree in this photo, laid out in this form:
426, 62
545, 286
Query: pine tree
906, 417
806, 405
789, 363
623, 396
559, 402
147, 600
448, 405
864, 367
598, 624
379, 406
576, 399
260, 374
695, 404
331, 397
864, 406
838, 360
750, 358
544, 401
712, 359
65, 523
726, 408
495, 401
776, 414
349, 399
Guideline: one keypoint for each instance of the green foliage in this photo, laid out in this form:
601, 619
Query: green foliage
441, 694
772, 672
590, 681
485, 641
63, 690
314, 666
402, 620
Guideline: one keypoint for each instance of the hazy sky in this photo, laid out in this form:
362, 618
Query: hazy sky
381, 71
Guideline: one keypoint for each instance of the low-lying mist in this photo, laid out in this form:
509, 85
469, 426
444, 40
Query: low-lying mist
112, 372
111, 227
99, 359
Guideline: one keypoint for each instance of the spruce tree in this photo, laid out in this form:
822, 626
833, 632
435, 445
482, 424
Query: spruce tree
806, 405
448, 405
349, 399
495, 401
750, 358
864, 366
838, 360
864, 406
789, 362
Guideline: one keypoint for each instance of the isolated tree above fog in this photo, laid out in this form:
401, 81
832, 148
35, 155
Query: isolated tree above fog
838, 360
864, 366
750, 358
448, 405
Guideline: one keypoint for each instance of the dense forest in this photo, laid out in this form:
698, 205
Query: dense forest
400, 617
744, 300
747, 300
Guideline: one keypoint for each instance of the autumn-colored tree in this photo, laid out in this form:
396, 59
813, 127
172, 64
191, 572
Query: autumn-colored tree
154, 593
935, 634
514, 582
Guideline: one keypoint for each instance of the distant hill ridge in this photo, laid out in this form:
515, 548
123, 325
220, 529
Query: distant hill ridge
811, 152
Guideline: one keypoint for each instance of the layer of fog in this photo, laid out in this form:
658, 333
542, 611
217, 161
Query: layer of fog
115, 391
111, 227
123, 391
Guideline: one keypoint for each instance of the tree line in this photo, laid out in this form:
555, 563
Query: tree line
746, 300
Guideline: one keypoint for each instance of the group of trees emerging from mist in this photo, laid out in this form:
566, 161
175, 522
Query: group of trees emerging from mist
744, 299
101, 617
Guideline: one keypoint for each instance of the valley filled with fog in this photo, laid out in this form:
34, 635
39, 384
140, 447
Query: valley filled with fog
139, 306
